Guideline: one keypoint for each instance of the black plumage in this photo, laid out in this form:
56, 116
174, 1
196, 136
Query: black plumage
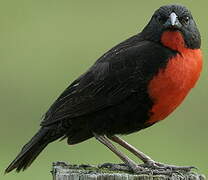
111, 97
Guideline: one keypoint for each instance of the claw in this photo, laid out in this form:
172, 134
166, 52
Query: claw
147, 168
123, 167
117, 167
160, 166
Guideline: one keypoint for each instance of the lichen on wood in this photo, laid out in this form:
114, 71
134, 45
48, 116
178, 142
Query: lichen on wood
63, 171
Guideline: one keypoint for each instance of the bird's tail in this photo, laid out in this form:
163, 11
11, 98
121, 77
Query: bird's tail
32, 149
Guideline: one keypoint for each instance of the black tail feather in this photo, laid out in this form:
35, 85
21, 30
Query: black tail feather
31, 150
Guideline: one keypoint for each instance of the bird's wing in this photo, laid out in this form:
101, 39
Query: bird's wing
114, 77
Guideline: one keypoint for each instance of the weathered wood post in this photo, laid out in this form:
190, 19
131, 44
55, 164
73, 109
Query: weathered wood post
62, 171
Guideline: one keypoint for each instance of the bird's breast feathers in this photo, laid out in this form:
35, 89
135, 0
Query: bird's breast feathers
171, 85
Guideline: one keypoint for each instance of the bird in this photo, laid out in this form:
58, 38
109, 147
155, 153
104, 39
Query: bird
132, 86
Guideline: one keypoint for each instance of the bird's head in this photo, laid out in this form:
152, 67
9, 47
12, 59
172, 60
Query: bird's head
174, 27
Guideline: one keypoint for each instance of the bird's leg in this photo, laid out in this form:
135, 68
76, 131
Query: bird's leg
132, 149
148, 162
131, 164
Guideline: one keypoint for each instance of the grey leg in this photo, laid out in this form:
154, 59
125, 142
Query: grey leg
122, 156
148, 162
132, 149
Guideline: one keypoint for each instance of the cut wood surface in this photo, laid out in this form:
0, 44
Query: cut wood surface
63, 171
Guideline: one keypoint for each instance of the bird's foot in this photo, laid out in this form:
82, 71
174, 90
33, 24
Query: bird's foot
160, 166
116, 167
123, 167
151, 167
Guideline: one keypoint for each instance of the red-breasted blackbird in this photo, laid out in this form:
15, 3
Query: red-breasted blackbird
132, 86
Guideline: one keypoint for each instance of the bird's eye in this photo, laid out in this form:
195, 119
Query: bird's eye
184, 20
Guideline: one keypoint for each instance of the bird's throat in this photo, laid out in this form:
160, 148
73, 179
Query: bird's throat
173, 40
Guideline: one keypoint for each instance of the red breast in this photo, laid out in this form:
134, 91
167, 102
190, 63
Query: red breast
171, 85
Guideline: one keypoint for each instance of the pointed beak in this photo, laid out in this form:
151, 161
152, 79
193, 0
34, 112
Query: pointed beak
173, 18
173, 22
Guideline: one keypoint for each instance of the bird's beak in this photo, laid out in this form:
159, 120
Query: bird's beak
172, 22
173, 18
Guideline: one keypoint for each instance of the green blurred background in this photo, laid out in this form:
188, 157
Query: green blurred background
46, 44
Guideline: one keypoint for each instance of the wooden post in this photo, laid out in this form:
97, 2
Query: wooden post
62, 171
